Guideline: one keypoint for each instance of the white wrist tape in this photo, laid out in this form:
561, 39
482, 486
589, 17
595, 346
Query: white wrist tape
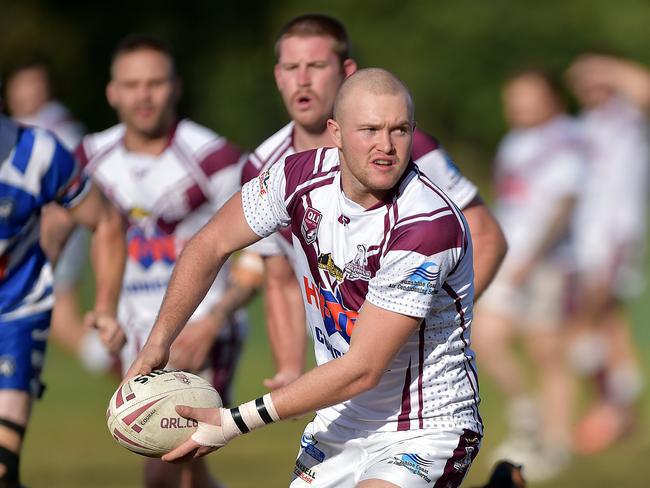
217, 435
236, 421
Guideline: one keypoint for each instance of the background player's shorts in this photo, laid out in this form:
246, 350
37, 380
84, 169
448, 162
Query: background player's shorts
334, 456
541, 301
22, 352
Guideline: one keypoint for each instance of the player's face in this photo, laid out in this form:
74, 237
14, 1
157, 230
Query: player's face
308, 75
590, 93
27, 91
374, 135
528, 101
144, 92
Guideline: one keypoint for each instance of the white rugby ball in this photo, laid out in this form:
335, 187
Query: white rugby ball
141, 415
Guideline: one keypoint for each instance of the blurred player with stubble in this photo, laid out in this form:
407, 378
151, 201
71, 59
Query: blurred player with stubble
168, 177
409, 416
313, 59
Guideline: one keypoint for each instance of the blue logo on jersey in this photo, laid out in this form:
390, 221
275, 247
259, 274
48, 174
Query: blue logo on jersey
150, 249
425, 273
308, 443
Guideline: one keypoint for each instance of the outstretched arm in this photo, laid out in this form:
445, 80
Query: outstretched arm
194, 273
378, 333
489, 243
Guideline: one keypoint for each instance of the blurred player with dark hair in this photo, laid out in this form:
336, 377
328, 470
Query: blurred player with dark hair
538, 173
30, 101
168, 177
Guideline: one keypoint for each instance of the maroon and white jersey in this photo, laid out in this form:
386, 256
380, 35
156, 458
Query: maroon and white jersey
411, 255
166, 200
535, 169
611, 218
427, 153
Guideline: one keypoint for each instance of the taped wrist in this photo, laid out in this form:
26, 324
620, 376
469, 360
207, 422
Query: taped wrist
237, 421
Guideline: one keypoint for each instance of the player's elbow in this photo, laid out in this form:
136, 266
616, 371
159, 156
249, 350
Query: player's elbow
366, 377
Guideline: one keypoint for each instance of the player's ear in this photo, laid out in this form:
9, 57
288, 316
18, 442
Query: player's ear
335, 131
276, 74
111, 94
349, 67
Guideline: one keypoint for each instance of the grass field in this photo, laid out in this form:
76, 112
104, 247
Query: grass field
68, 444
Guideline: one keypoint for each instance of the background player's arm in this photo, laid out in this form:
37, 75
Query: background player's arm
378, 334
56, 227
284, 321
190, 349
195, 271
489, 244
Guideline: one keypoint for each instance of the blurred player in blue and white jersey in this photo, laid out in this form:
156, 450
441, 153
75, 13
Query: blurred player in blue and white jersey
35, 170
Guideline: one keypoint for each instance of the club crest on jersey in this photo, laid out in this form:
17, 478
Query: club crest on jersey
357, 269
310, 223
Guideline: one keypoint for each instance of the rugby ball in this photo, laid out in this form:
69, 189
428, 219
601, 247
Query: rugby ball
141, 415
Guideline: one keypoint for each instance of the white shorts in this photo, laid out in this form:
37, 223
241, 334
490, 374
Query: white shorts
334, 456
540, 302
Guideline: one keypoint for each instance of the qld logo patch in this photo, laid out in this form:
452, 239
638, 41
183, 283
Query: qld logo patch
310, 223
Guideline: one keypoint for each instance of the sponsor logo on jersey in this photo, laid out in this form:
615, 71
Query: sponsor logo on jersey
326, 262
304, 473
421, 279
308, 443
310, 223
357, 269
6, 207
344, 220
414, 463
336, 318
148, 250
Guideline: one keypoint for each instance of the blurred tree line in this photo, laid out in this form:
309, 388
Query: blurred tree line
454, 54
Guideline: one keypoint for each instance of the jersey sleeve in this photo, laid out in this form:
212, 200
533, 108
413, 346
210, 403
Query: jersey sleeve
64, 182
263, 200
418, 260
438, 166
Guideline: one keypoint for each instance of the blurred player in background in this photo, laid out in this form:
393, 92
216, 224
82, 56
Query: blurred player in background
29, 100
35, 170
312, 60
395, 388
168, 177
538, 173
610, 229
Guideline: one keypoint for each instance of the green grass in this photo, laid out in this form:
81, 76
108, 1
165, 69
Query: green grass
68, 444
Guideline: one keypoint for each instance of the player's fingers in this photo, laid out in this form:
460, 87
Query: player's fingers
208, 415
182, 453
90, 320
203, 450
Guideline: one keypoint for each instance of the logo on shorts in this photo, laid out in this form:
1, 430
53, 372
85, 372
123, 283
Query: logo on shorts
421, 279
414, 463
308, 443
310, 223
7, 366
357, 269
304, 473
263, 179
462, 464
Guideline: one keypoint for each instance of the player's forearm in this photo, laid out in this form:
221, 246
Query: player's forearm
286, 327
194, 273
556, 229
108, 254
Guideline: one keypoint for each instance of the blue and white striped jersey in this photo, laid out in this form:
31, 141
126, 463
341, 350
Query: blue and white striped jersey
35, 169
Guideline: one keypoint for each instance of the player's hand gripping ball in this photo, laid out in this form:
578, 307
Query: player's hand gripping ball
141, 415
